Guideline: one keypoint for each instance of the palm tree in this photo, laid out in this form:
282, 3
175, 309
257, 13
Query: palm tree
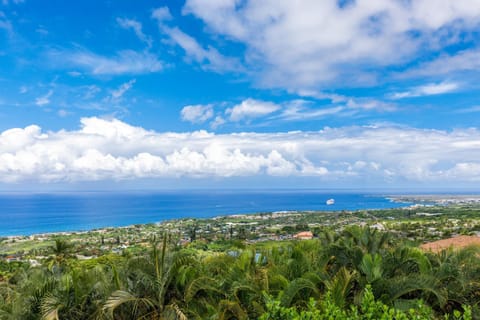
458, 272
243, 284
61, 250
148, 289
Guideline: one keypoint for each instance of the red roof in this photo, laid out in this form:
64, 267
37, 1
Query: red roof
304, 234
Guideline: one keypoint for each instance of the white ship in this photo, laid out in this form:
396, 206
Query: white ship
330, 202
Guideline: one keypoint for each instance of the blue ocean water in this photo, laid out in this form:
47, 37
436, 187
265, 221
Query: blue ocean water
25, 214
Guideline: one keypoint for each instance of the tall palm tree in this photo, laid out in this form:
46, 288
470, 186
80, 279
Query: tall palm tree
61, 250
148, 289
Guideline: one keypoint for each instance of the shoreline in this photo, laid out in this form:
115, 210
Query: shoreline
248, 216
437, 199
253, 228
409, 201
41, 214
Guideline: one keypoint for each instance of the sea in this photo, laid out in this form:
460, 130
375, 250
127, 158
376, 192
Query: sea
26, 214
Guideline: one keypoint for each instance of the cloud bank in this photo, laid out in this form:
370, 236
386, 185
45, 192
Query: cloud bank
114, 150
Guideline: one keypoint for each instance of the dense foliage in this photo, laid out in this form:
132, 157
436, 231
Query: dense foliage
358, 273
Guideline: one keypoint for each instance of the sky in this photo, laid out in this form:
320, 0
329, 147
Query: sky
158, 94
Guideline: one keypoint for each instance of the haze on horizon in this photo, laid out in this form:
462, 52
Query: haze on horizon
112, 95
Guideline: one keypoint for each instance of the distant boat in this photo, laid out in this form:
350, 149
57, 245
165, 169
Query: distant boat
330, 201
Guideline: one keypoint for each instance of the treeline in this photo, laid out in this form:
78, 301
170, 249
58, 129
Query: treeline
358, 273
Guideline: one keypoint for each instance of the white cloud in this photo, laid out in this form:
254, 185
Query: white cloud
63, 113
5, 24
472, 109
291, 110
42, 30
89, 92
6, 2
335, 98
427, 90
162, 14
44, 100
74, 74
464, 170
299, 112
466, 60
124, 62
197, 113
116, 94
137, 28
301, 109
369, 104
111, 149
251, 108
321, 42
209, 58
217, 122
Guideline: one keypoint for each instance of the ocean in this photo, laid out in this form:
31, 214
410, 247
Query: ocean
25, 214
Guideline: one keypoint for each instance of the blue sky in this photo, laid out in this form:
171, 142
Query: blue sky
238, 93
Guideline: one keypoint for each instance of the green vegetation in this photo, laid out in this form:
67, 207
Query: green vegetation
357, 273
359, 265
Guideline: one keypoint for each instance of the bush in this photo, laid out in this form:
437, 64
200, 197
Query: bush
326, 309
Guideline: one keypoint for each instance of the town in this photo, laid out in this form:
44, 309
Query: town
418, 224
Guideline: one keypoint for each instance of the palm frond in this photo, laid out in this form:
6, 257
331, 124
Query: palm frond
294, 288
50, 307
120, 297
341, 284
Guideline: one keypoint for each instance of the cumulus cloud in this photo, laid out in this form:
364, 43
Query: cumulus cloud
197, 113
427, 90
251, 108
113, 150
324, 42
124, 62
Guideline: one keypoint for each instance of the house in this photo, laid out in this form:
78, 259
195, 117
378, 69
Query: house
304, 235
13, 257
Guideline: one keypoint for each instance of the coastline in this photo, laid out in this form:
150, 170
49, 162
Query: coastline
438, 199
402, 201
56, 214
242, 216
254, 228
